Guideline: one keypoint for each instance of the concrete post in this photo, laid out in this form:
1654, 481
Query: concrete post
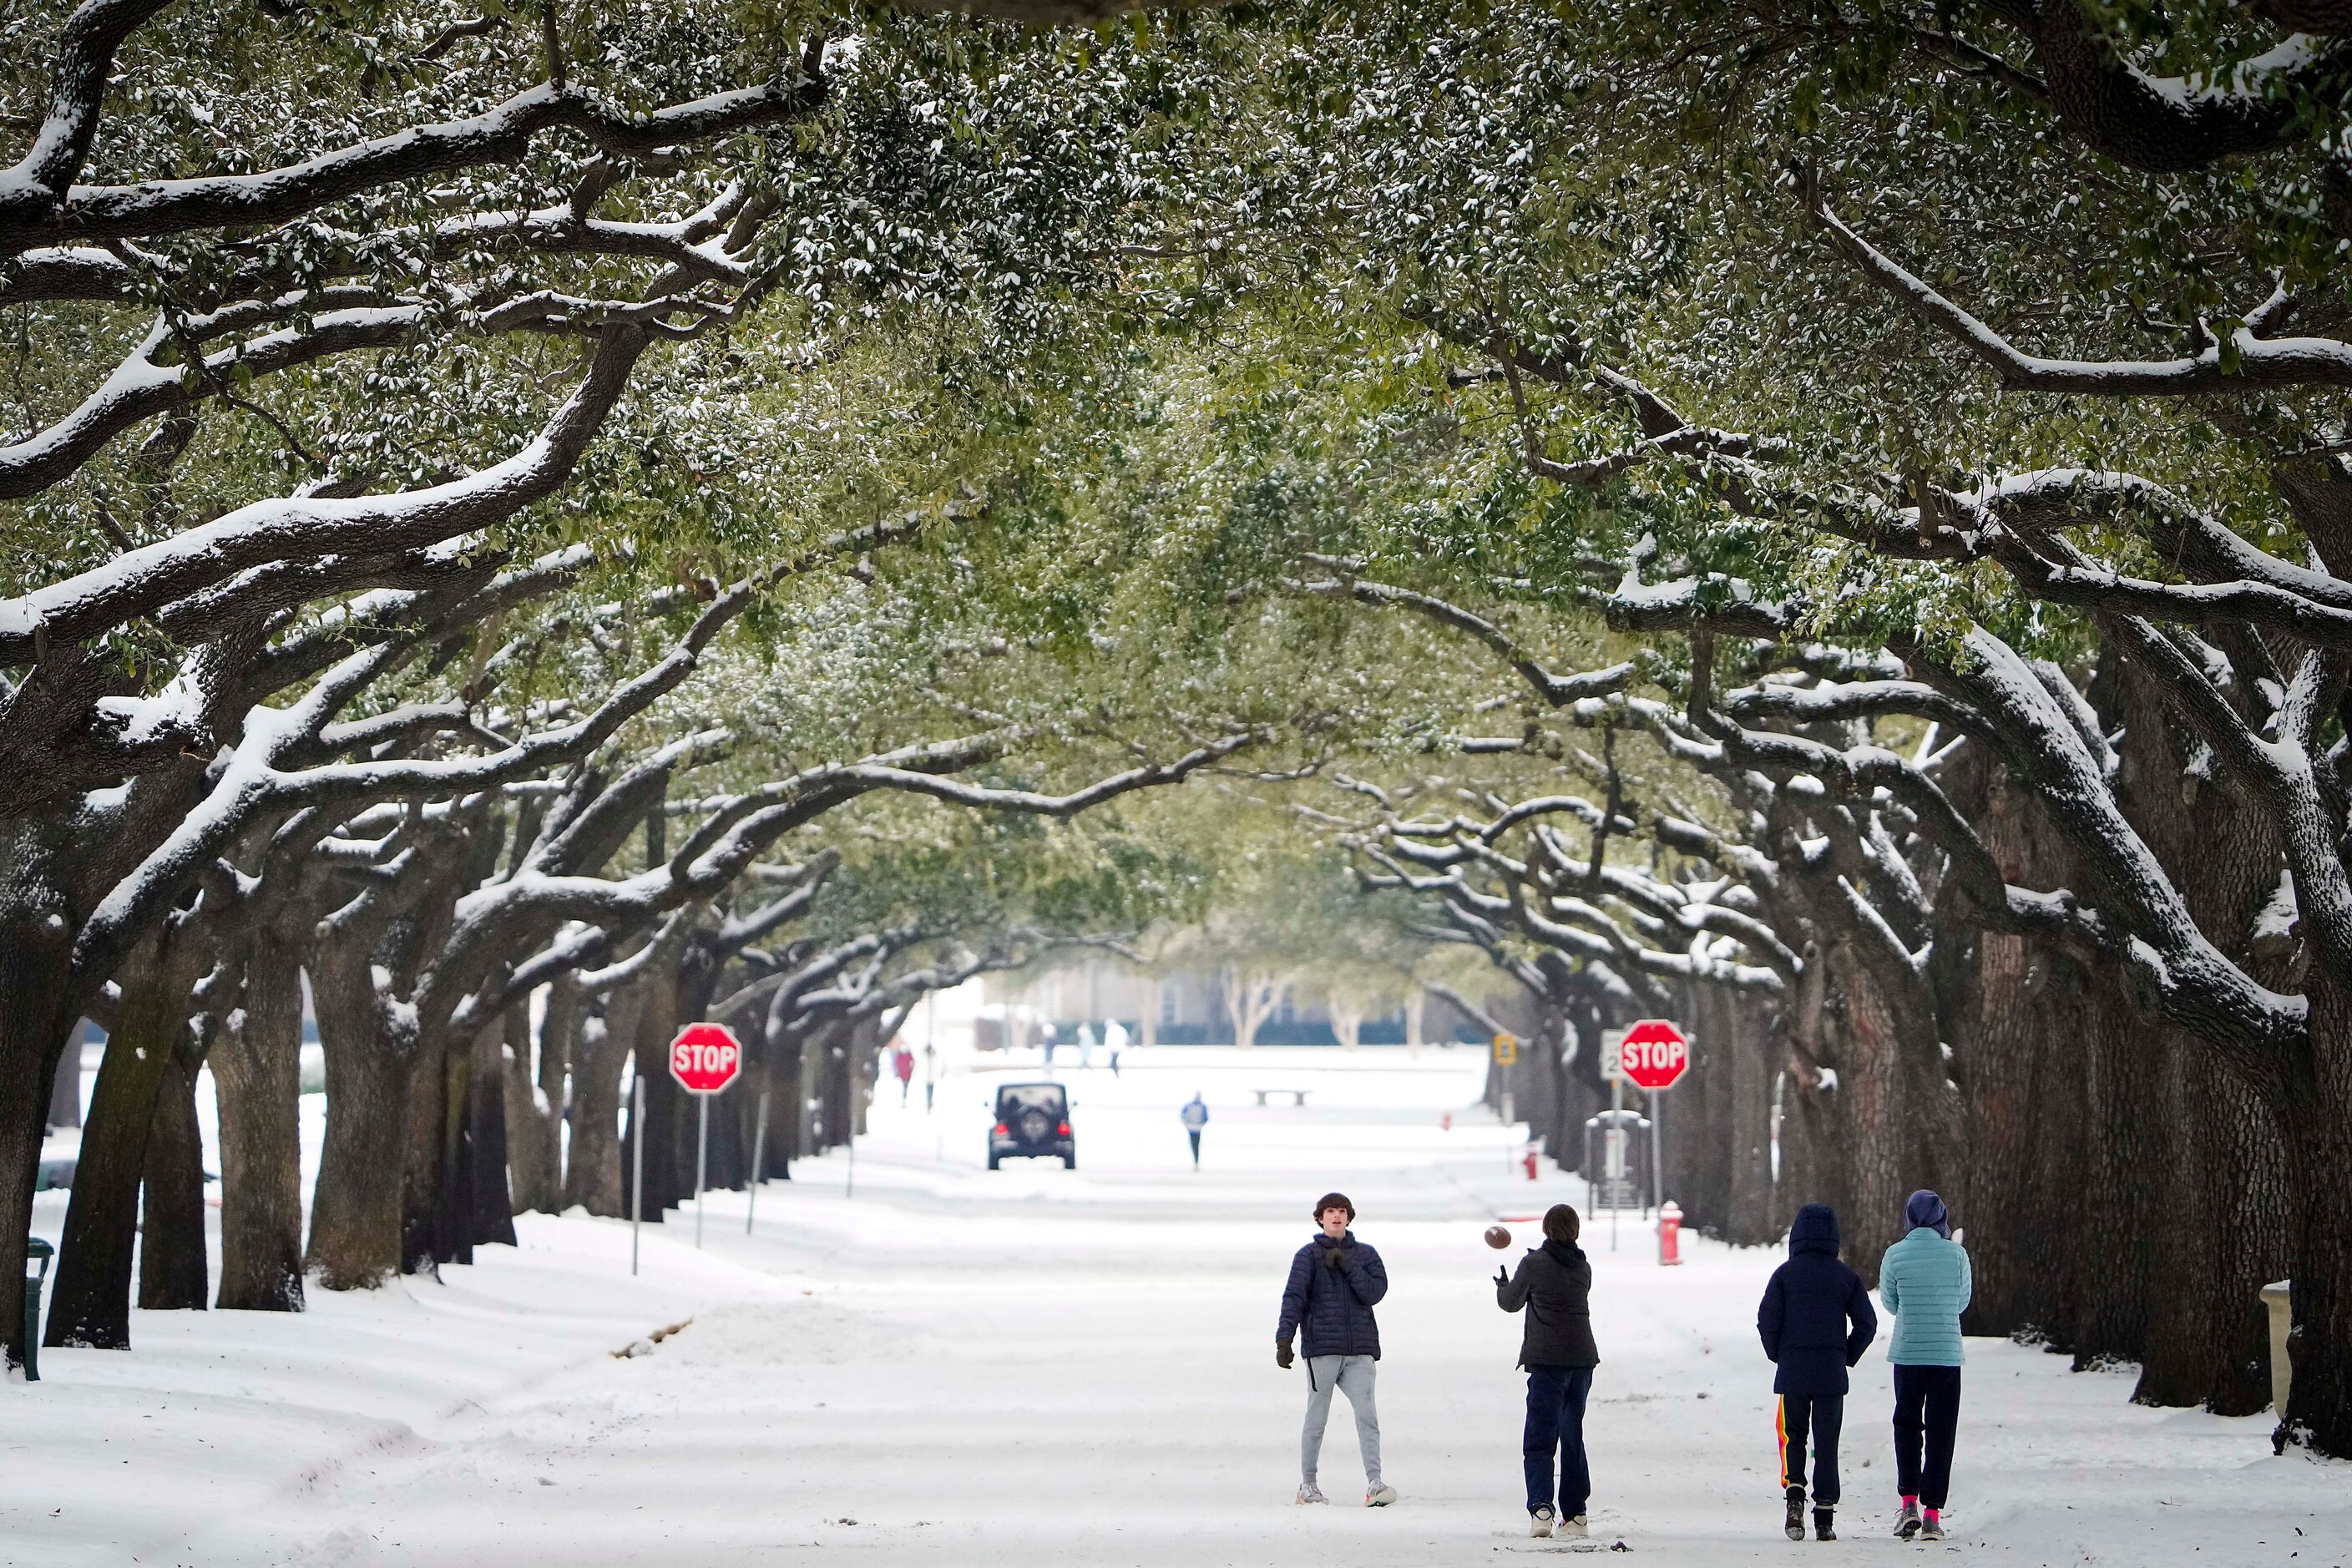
2280, 1302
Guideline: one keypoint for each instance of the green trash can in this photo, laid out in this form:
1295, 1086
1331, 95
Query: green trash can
35, 1249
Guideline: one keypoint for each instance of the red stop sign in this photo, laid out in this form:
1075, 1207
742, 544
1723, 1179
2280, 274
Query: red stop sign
1654, 1054
705, 1057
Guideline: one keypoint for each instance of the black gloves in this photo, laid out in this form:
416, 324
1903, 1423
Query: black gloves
1282, 1356
1332, 1258
1501, 1277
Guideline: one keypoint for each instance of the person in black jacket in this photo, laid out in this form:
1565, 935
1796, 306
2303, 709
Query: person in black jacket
1815, 1321
1554, 1284
1334, 1282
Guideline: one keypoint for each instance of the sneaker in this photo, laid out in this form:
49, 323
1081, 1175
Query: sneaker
1932, 1527
1379, 1494
1824, 1524
1539, 1520
1574, 1526
1308, 1492
1906, 1523
1794, 1524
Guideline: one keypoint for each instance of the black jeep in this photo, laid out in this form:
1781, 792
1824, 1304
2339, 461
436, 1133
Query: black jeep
1033, 1120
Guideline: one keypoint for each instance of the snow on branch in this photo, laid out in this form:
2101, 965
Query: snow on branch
35, 211
144, 386
62, 272
141, 581
958, 792
1556, 690
2248, 362
2167, 124
85, 61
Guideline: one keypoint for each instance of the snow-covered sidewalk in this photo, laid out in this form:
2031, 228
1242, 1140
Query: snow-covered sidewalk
1040, 1366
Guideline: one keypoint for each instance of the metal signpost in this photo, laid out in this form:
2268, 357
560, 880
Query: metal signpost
637, 1164
1507, 1055
704, 1058
759, 1164
1613, 1141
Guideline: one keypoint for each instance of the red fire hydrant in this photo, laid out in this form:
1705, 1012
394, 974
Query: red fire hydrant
1670, 1230
1529, 1161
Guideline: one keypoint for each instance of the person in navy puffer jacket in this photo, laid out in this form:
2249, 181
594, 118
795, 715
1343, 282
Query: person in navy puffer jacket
1926, 1282
1334, 1282
1815, 1320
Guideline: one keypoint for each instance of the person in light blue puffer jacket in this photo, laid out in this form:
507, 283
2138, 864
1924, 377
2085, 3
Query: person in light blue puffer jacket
1923, 1283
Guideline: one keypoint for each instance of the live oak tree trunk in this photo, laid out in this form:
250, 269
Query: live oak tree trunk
1878, 1166
2318, 1129
174, 1275
2221, 1226
669, 1109
533, 1128
258, 1078
594, 1176
65, 1091
1751, 1218
2016, 1012
90, 1303
429, 1146
490, 1220
1695, 1135
38, 1014
355, 1209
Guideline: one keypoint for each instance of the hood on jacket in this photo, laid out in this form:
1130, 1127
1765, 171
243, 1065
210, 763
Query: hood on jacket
1924, 1209
1561, 1251
1815, 1229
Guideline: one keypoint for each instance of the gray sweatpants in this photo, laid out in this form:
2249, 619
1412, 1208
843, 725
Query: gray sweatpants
1351, 1375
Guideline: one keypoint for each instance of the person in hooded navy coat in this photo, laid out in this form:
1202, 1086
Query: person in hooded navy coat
1815, 1321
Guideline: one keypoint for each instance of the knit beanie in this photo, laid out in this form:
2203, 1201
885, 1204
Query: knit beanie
1925, 1208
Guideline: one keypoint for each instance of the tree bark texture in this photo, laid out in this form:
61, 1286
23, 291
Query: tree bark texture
594, 1176
490, 1219
533, 1128
355, 1209
2317, 1130
90, 1300
65, 1089
258, 1080
2221, 1228
38, 1015
175, 1275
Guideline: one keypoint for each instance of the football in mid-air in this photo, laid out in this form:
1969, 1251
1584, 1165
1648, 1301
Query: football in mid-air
1498, 1237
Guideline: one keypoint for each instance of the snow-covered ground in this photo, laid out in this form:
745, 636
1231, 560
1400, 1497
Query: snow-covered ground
1042, 1366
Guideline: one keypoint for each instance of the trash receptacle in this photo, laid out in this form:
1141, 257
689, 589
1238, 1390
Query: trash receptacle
36, 1251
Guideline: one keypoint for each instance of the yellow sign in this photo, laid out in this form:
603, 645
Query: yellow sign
1507, 1049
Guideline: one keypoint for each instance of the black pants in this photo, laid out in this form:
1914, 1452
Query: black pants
1556, 1397
1821, 1414
1195, 1137
1926, 1412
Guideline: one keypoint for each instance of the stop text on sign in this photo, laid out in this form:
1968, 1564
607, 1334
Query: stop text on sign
1653, 1054
705, 1057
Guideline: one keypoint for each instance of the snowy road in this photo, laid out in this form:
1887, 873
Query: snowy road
1046, 1367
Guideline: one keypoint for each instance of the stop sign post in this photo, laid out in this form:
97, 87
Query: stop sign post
704, 1058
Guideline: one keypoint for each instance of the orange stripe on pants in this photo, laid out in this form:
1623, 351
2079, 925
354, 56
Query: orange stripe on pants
1780, 1431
